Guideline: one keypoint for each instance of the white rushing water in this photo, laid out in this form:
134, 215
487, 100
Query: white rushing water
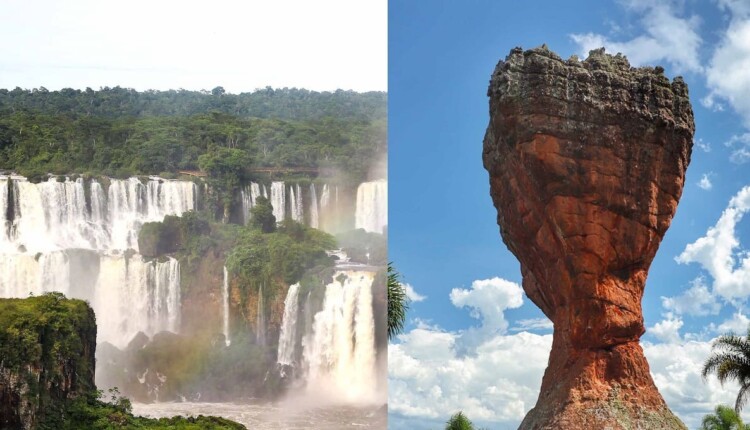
288, 334
289, 415
260, 321
340, 351
278, 200
314, 219
225, 305
372, 206
71, 236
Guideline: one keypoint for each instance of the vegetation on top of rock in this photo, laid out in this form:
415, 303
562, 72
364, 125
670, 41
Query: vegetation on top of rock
364, 247
280, 257
47, 345
92, 412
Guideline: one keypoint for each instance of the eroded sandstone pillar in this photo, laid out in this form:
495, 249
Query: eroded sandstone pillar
587, 162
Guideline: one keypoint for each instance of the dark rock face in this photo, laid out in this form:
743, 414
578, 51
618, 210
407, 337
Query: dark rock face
587, 162
47, 347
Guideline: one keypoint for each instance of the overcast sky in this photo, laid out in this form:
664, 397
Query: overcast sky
240, 45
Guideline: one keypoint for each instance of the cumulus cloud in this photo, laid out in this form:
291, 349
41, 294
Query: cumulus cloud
412, 294
487, 300
740, 147
676, 369
696, 301
668, 37
726, 73
500, 383
737, 324
667, 330
705, 182
718, 252
431, 374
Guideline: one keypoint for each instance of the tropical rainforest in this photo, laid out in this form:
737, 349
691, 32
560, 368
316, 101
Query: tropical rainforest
122, 132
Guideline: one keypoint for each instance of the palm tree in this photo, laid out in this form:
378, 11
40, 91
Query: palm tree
398, 303
459, 421
731, 361
725, 418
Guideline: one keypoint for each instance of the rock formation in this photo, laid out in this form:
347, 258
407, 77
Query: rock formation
47, 347
587, 162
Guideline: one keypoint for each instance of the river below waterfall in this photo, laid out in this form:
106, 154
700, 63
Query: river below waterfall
288, 415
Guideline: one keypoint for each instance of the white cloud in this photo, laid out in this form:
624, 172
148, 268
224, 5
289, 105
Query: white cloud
431, 376
726, 74
676, 369
703, 146
718, 251
737, 324
668, 37
488, 299
533, 324
412, 294
705, 182
697, 300
668, 330
740, 144
499, 383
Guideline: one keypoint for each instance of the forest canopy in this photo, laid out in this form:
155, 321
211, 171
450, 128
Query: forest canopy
122, 132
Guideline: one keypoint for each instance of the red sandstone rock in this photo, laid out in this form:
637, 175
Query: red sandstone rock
587, 162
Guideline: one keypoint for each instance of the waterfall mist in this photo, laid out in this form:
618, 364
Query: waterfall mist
81, 238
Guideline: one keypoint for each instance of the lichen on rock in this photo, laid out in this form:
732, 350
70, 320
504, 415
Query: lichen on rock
587, 162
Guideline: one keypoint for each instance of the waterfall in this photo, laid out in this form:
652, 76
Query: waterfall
372, 206
249, 194
59, 237
288, 335
278, 200
314, 221
340, 352
260, 322
299, 214
133, 295
225, 305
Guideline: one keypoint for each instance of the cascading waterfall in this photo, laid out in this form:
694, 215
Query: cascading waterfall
58, 237
278, 200
340, 351
372, 206
249, 195
288, 334
260, 322
314, 220
297, 212
225, 305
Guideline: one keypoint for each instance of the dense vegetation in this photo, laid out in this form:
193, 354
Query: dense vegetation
92, 412
47, 345
121, 132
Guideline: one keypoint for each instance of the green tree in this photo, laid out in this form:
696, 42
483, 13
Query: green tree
398, 303
227, 170
724, 418
459, 421
262, 215
730, 360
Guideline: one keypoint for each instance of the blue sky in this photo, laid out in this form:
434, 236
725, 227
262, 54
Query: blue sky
476, 343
